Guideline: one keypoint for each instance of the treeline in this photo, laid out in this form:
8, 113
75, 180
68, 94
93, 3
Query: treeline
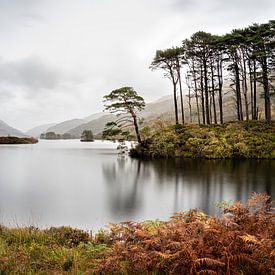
53, 135
244, 56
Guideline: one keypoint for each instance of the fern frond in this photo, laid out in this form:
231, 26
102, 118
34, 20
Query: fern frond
207, 272
249, 239
209, 262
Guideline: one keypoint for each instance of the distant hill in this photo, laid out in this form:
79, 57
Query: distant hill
7, 130
96, 125
94, 116
66, 126
163, 109
38, 130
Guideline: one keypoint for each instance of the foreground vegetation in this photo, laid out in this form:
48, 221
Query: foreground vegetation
230, 140
17, 140
241, 241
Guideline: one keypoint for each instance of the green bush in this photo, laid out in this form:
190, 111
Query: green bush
230, 140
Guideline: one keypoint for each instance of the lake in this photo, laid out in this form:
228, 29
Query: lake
87, 185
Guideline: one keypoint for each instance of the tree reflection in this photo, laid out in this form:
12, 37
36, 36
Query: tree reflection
183, 184
210, 181
125, 179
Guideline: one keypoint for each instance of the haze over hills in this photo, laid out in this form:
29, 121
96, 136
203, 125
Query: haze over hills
7, 130
65, 126
96, 125
36, 131
96, 122
93, 116
163, 108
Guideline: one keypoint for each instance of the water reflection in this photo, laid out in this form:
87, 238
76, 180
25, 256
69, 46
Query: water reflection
55, 183
185, 183
124, 179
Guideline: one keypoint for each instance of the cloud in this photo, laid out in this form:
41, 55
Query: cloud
61, 57
34, 75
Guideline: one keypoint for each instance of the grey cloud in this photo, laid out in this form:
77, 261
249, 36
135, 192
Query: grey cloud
5, 94
183, 5
62, 56
19, 13
248, 4
32, 73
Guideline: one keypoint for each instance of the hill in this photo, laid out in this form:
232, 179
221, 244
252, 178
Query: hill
38, 130
65, 126
7, 130
162, 108
96, 125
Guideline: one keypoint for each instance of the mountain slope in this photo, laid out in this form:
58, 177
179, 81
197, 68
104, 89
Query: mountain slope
66, 126
38, 130
93, 116
7, 130
96, 125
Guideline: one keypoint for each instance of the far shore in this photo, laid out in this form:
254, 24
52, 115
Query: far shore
17, 140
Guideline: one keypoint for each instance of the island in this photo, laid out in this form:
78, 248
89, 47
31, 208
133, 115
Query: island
17, 140
87, 136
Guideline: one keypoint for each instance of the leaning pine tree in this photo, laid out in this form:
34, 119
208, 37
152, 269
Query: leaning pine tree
125, 103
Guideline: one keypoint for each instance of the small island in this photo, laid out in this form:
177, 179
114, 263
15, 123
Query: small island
87, 136
17, 140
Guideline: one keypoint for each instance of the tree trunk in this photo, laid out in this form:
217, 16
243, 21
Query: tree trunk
175, 94
136, 127
189, 103
206, 91
181, 96
266, 91
175, 103
219, 66
251, 87
213, 94
238, 93
196, 95
255, 112
202, 98
245, 89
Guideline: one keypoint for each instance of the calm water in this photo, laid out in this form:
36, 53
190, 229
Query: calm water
87, 185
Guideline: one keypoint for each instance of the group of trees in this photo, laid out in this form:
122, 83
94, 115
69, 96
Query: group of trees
87, 135
53, 135
245, 56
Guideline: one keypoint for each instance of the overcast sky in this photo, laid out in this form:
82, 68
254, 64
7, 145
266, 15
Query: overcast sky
59, 57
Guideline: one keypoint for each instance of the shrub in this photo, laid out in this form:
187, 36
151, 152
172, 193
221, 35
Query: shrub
230, 140
240, 242
68, 236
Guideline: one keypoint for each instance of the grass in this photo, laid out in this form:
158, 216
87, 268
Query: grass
241, 241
